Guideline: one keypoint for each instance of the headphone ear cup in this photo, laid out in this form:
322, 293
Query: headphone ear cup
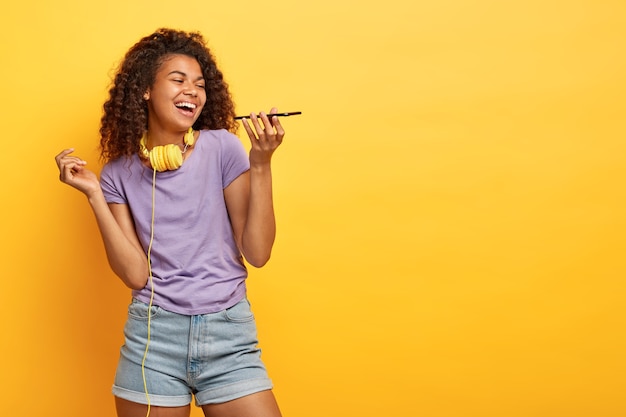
189, 138
168, 157
153, 154
173, 157
165, 158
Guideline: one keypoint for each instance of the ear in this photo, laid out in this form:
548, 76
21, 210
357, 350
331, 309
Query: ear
146, 95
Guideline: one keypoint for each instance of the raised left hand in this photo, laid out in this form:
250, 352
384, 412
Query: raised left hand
266, 135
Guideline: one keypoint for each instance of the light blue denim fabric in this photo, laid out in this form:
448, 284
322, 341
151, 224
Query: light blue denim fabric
211, 356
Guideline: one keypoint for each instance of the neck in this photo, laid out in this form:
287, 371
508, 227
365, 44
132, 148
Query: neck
161, 138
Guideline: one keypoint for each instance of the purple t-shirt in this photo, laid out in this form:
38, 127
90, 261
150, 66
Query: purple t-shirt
196, 265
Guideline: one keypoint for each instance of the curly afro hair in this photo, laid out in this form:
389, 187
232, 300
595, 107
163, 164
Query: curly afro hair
125, 116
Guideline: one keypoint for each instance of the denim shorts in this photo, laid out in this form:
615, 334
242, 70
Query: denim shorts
213, 357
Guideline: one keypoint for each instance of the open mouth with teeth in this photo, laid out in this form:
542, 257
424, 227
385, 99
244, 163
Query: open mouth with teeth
186, 107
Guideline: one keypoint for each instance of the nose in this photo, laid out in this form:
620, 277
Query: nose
191, 89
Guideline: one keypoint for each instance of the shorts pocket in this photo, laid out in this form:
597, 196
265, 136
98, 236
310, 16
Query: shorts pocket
138, 310
239, 313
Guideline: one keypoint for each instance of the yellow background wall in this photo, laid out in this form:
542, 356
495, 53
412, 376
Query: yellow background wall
450, 203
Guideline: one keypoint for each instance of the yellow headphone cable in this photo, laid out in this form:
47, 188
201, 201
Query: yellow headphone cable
145, 353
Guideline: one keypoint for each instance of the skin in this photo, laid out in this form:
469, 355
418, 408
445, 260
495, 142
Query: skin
248, 200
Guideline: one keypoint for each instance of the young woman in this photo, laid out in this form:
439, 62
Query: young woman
179, 204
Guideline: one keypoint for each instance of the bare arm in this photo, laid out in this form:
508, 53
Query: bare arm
124, 252
249, 197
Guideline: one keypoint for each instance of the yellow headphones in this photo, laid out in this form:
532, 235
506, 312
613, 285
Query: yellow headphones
167, 157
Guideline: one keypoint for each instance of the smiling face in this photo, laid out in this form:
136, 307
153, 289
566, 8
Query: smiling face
177, 97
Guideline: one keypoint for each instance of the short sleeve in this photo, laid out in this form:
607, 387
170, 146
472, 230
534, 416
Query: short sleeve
111, 192
235, 159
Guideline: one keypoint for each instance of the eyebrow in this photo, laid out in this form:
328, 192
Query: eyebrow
184, 75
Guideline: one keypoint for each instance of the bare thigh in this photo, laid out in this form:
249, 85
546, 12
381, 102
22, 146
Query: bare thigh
261, 404
127, 408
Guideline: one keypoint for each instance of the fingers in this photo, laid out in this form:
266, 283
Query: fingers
264, 127
265, 133
69, 170
275, 121
248, 129
280, 132
68, 165
62, 155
